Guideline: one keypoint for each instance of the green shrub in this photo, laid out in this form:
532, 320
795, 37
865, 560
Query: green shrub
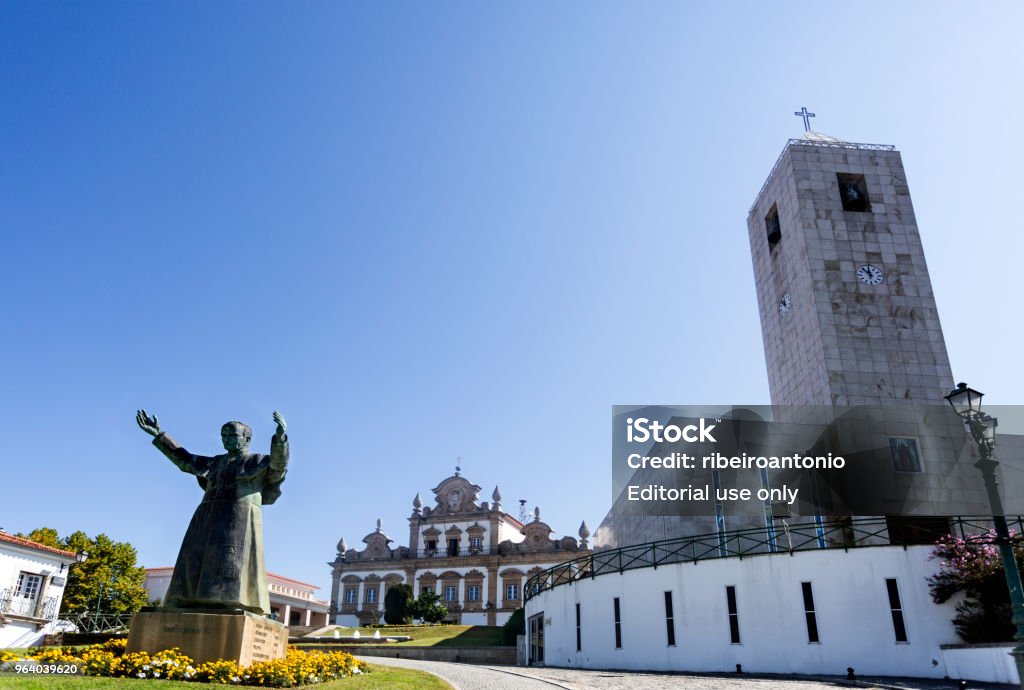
398, 604
514, 626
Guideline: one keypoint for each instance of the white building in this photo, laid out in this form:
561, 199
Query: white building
471, 553
32, 580
291, 601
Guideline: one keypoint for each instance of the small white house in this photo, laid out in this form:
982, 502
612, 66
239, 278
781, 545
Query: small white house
32, 579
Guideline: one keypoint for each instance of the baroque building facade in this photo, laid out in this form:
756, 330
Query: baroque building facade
474, 555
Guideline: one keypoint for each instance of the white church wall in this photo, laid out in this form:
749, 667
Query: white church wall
852, 611
985, 663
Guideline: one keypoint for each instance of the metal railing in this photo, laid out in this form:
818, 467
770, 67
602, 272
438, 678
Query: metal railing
16, 605
99, 622
444, 552
848, 533
822, 144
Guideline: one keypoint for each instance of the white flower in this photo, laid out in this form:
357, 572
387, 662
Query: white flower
140, 674
156, 674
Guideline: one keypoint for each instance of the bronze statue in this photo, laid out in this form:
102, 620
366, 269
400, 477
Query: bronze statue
220, 564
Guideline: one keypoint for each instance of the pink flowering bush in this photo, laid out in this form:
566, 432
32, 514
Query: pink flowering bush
972, 565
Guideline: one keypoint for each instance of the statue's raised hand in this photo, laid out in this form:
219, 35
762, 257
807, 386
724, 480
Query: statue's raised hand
148, 424
281, 426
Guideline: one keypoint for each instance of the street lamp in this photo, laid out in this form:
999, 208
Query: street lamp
966, 403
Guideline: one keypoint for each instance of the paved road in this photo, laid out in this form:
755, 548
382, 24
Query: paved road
472, 677
469, 676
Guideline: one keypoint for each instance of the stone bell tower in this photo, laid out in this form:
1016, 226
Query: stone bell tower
846, 305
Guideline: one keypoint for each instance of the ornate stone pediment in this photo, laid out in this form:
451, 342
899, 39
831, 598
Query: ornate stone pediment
455, 495
377, 544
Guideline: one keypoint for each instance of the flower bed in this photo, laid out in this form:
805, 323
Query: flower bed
110, 659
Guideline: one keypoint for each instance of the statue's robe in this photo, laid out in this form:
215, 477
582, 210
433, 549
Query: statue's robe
220, 564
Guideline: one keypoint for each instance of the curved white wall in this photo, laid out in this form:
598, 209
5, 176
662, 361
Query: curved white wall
851, 604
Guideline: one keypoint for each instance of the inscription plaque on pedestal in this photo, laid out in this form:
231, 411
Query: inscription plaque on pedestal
207, 636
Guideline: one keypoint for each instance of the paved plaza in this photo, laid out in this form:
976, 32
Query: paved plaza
471, 677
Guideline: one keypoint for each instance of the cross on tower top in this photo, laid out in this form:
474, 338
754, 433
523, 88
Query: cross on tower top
806, 116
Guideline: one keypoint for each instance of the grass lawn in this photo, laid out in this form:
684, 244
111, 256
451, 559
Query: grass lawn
432, 635
379, 678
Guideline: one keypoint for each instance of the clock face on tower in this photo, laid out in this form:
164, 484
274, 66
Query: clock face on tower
870, 275
785, 304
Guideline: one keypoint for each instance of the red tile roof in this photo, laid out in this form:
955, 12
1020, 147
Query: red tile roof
28, 543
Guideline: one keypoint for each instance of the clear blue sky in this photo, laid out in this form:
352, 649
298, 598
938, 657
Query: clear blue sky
429, 230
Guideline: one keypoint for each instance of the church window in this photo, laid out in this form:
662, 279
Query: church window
905, 456
350, 596
371, 596
431, 544
896, 609
772, 227
450, 592
511, 592
809, 614
453, 547
853, 192
734, 616
618, 623
579, 635
476, 542
474, 592
670, 620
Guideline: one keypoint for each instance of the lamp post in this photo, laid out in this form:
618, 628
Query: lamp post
966, 403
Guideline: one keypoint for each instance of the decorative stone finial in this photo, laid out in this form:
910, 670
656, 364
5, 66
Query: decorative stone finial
342, 547
496, 496
584, 533
536, 514
417, 504
379, 524
458, 461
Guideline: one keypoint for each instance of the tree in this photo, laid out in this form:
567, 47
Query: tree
397, 604
514, 626
108, 581
428, 608
972, 565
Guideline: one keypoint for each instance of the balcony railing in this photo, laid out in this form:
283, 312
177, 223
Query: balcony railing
409, 554
15, 605
837, 534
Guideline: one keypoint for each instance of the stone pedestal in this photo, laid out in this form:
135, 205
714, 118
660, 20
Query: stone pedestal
207, 636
